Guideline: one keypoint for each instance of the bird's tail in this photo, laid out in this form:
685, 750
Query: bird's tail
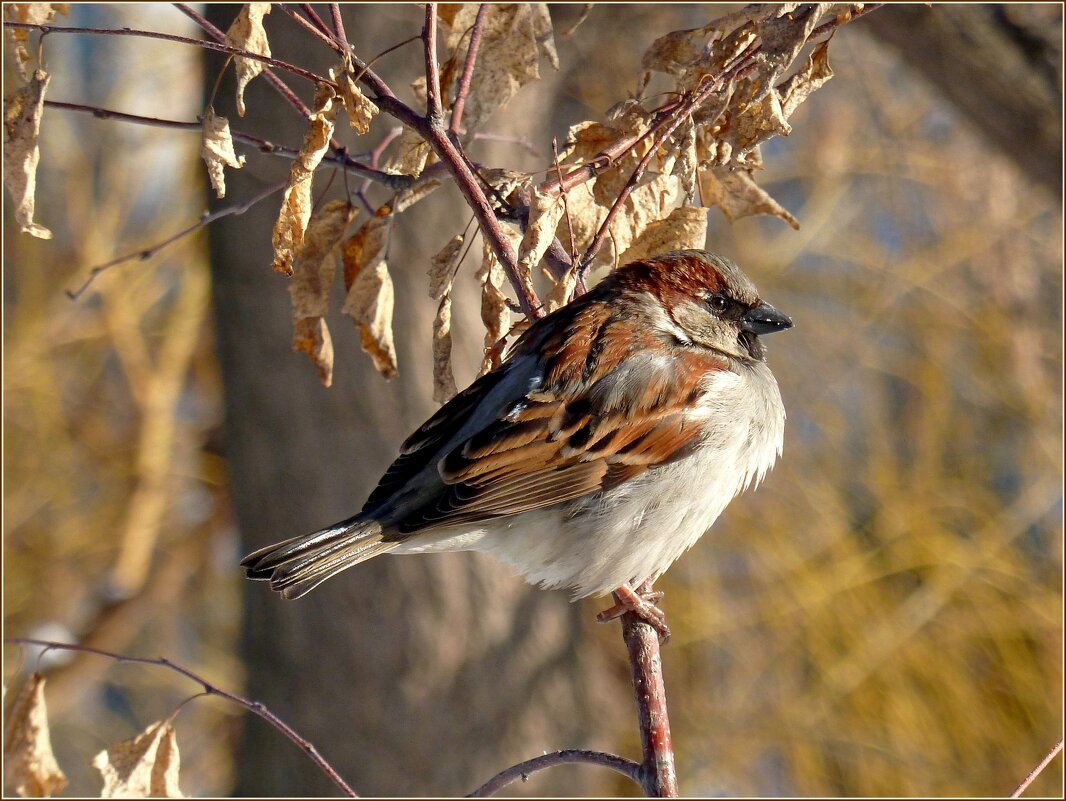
295, 567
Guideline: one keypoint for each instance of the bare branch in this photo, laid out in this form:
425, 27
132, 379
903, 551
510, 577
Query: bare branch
146, 253
209, 689
278, 84
309, 27
341, 159
317, 20
463, 90
429, 39
171, 37
626, 767
1054, 752
338, 25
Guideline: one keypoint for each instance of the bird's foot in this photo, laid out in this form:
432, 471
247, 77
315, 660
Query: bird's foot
642, 603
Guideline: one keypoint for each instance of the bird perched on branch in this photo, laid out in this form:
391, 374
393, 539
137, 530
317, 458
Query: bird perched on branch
609, 440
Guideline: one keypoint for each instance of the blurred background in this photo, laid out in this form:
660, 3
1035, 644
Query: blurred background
884, 615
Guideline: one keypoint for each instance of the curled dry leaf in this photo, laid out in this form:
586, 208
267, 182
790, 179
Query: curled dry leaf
312, 278
494, 311
34, 14
514, 36
442, 271
370, 294
801, 85
412, 153
675, 52
737, 194
22, 125
216, 148
645, 205
545, 212
685, 228
360, 109
30, 767
145, 767
406, 198
295, 211
247, 33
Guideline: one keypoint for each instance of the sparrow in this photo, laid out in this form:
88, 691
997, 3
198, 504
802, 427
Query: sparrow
606, 443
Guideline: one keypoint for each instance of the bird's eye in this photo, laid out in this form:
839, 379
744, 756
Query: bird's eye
719, 303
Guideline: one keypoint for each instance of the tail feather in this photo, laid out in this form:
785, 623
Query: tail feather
296, 566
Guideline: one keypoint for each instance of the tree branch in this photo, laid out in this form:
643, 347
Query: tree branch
463, 90
626, 767
338, 25
434, 112
658, 774
171, 37
255, 707
1021, 788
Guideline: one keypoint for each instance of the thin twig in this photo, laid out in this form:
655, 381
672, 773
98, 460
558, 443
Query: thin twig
1054, 752
171, 37
338, 25
279, 85
317, 20
210, 689
310, 28
146, 253
581, 18
842, 19
566, 206
463, 89
626, 767
659, 776
434, 111
262, 145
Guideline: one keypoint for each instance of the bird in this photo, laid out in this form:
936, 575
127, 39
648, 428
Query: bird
604, 445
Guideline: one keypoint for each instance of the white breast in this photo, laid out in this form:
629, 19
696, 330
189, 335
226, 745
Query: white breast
637, 530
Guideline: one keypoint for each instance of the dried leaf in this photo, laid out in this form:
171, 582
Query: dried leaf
370, 294
22, 125
312, 278
508, 58
586, 215
801, 85
361, 110
545, 212
35, 14
562, 291
442, 268
216, 148
494, 312
295, 211
408, 197
645, 205
30, 767
146, 766
684, 229
247, 33
412, 153
444, 388
737, 194
676, 51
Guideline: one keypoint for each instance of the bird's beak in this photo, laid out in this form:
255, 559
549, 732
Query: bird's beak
765, 319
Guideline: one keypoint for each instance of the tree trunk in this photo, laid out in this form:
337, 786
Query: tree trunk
412, 675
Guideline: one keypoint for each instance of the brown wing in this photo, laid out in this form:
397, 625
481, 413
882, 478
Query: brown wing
609, 406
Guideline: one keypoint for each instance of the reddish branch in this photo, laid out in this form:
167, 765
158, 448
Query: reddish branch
338, 24
463, 89
209, 689
626, 767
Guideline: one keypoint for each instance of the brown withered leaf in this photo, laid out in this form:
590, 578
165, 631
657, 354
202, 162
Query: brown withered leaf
145, 767
360, 109
494, 312
644, 205
406, 198
675, 52
312, 278
545, 212
370, 294
35, 14
684, 229
216, 149
30, 767
542, 28
737, 194
585, 217
801, 85
442, 269
586, 140
22, 126
444, 388
412, 154
562, 291
508, 58
247, 33
288, 234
